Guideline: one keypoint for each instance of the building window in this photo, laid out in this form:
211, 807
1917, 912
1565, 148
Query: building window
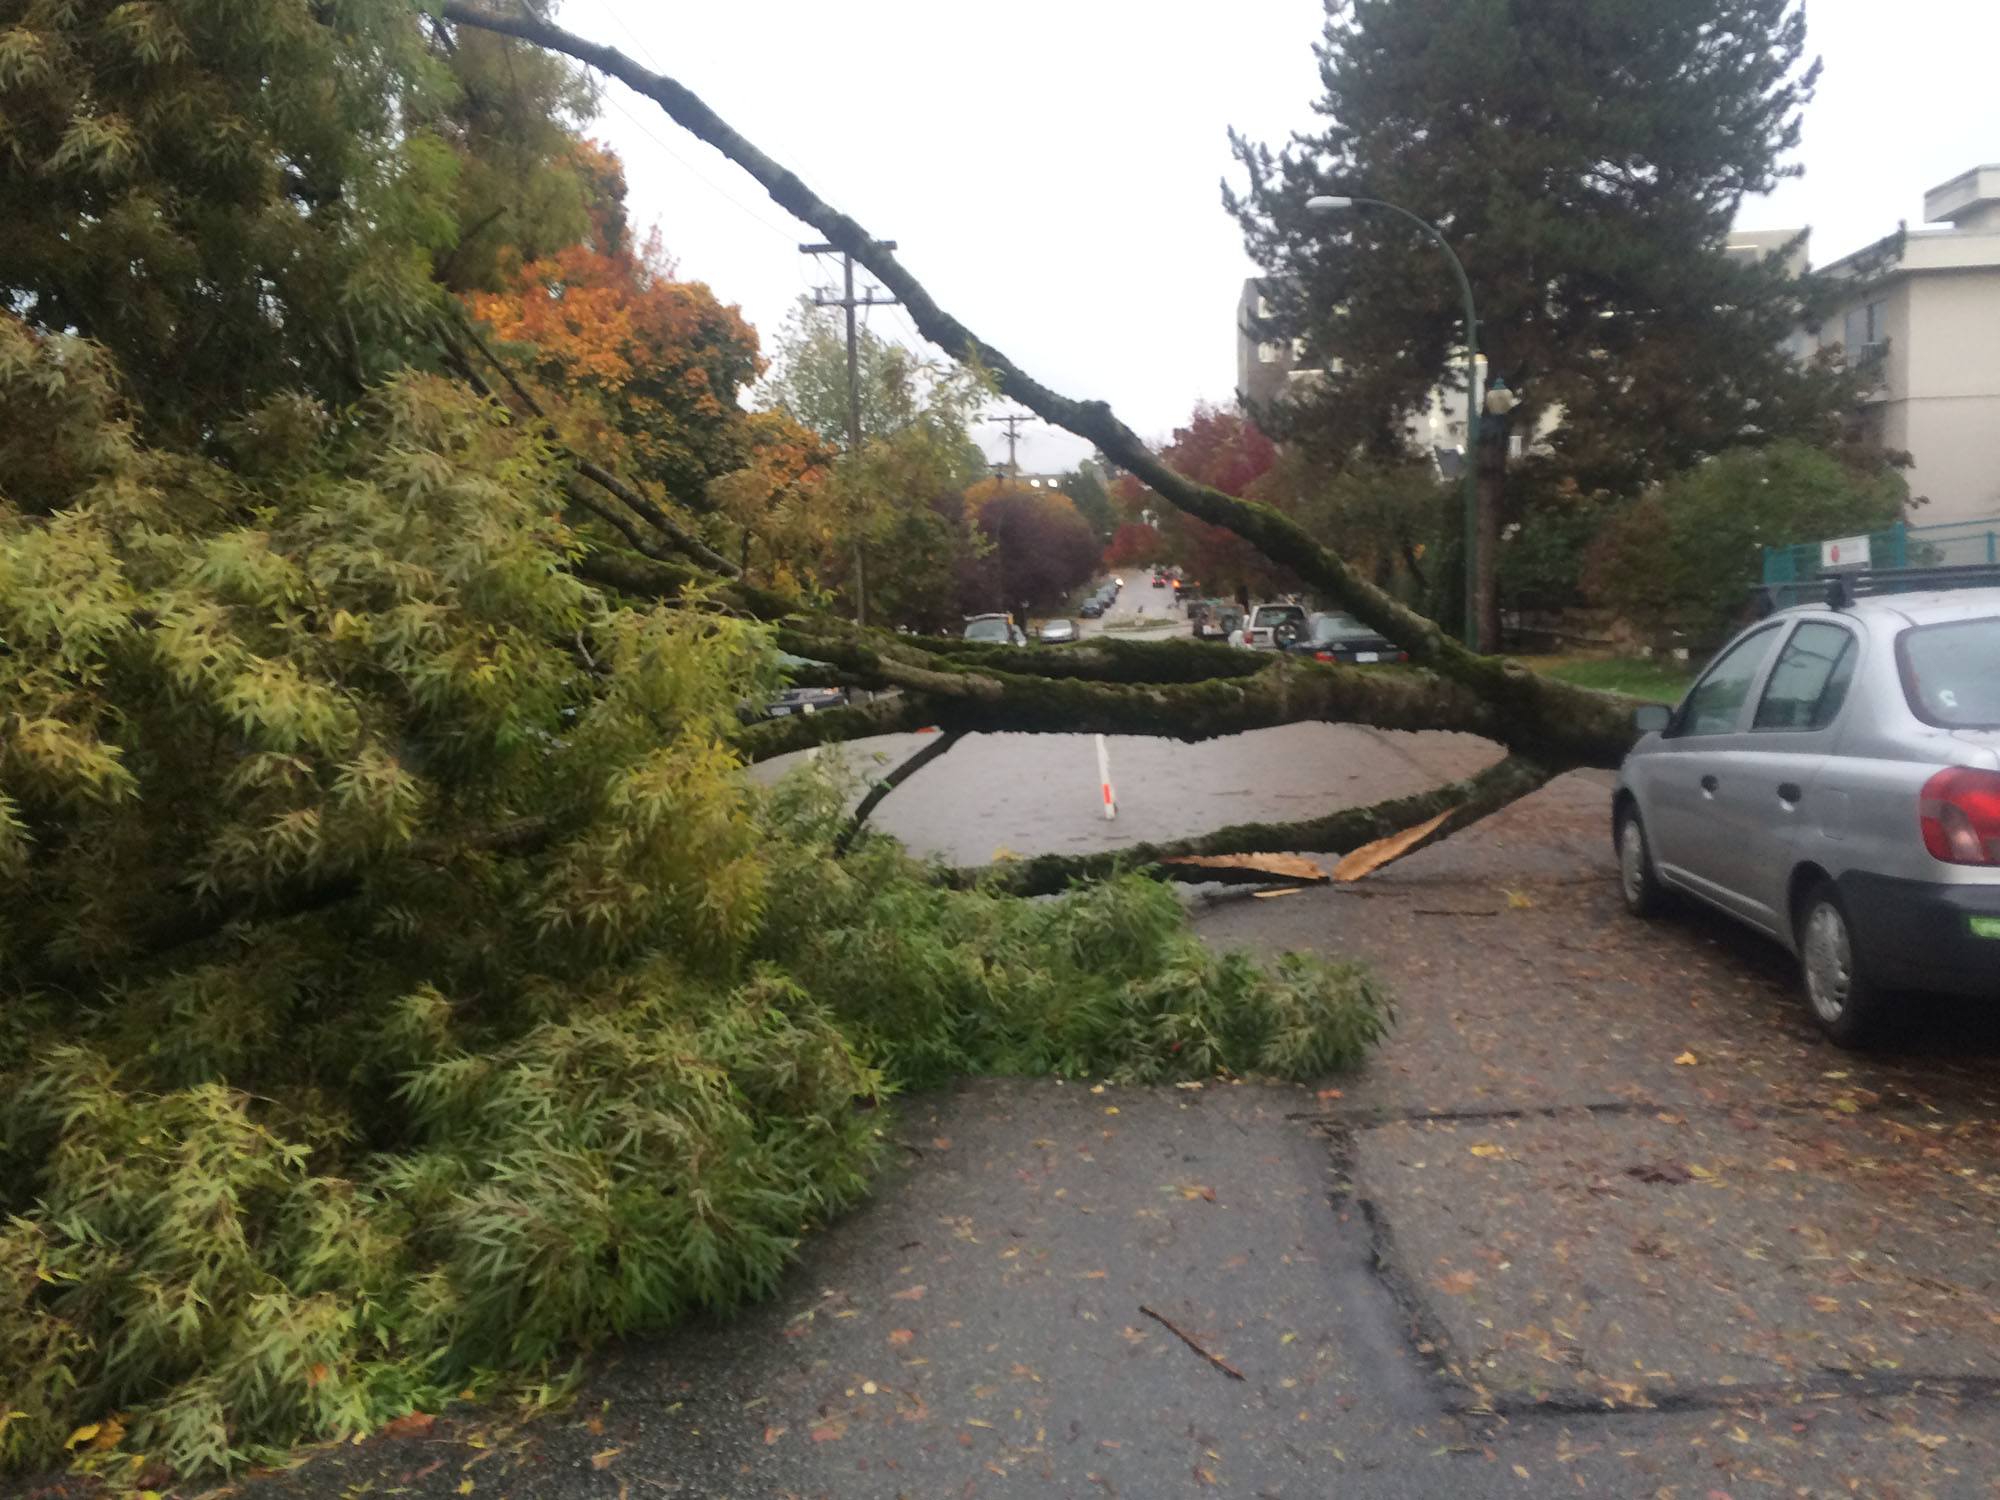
1263, 306
1269, 353
1866, 328
1298, 349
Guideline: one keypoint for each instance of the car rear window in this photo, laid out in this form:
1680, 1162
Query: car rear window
1339, 628
987, 630
1276, 614
1951, 673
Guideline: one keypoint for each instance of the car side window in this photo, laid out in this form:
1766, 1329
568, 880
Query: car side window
1810, 681
1715, 706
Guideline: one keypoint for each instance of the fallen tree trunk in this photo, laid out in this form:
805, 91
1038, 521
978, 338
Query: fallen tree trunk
1337, 833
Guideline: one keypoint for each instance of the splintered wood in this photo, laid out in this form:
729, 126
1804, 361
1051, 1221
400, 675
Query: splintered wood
1371, 857
1250, 869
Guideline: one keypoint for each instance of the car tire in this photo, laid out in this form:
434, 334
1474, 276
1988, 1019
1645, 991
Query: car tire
1638, 882
1846, 1003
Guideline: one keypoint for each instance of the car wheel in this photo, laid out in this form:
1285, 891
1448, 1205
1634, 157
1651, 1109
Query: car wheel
1638, 881
1847, 1005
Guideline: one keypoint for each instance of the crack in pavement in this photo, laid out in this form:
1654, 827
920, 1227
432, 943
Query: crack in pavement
1426, 1347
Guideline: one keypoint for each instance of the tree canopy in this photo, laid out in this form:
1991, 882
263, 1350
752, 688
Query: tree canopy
1587, 159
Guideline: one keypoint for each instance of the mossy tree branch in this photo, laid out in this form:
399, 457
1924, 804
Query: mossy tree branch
1573, 724
1337, 833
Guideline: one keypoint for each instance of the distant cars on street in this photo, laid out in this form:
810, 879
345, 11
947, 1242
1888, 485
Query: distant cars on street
1833, 780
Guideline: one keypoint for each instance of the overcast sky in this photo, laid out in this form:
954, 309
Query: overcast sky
1050, 169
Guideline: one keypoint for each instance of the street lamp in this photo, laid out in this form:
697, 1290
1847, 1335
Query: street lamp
1326, 204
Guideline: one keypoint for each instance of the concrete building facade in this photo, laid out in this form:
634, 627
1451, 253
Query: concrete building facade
1929, 309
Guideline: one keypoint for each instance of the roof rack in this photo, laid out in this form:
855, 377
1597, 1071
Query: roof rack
1841, 590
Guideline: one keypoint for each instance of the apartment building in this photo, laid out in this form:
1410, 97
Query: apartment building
1929, 308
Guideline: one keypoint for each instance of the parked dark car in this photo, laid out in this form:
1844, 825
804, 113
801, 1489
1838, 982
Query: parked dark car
797, 699
1332, 636
1092, 608
995, 630
805, 700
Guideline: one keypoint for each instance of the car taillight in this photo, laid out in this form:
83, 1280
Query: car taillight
1960, 813
1324, 656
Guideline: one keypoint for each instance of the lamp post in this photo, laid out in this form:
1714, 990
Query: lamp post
1325, 204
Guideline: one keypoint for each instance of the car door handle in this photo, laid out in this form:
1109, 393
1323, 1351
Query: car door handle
1709, 783
1790, 792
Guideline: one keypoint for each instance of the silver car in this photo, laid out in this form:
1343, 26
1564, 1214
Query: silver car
1833, 780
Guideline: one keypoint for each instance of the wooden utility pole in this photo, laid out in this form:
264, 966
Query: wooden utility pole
848, 301
1012, 422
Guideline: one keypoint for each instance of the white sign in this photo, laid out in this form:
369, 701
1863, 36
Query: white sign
1847, 552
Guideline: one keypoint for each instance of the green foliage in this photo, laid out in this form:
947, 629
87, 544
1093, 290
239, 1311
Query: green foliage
1691, 550
1108, 982
1541, 562
895, 500
235, 199
400, 984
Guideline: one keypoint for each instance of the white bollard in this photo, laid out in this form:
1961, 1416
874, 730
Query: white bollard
1104, 779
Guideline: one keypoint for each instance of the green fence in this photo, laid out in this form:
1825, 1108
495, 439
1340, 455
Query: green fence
1788, 570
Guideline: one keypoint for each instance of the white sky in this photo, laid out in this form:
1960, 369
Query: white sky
1050, 168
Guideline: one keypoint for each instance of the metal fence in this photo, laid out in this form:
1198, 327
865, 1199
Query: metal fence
1955, 544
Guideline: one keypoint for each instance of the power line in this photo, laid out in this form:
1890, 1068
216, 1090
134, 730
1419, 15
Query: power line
644, 51
694, 171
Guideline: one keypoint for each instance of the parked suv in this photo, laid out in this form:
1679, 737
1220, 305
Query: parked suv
1833, 780
1274, 627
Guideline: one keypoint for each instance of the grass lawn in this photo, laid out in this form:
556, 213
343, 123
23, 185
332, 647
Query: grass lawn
1660, 681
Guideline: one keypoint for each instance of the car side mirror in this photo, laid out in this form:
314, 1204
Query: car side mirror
1652, 718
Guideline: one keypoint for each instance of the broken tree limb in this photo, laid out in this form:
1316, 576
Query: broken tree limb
1193, 1343
1287, 691
896, 713
676, 535
1336, 833
1108, 659
673, 581
881, 789
1561, 721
